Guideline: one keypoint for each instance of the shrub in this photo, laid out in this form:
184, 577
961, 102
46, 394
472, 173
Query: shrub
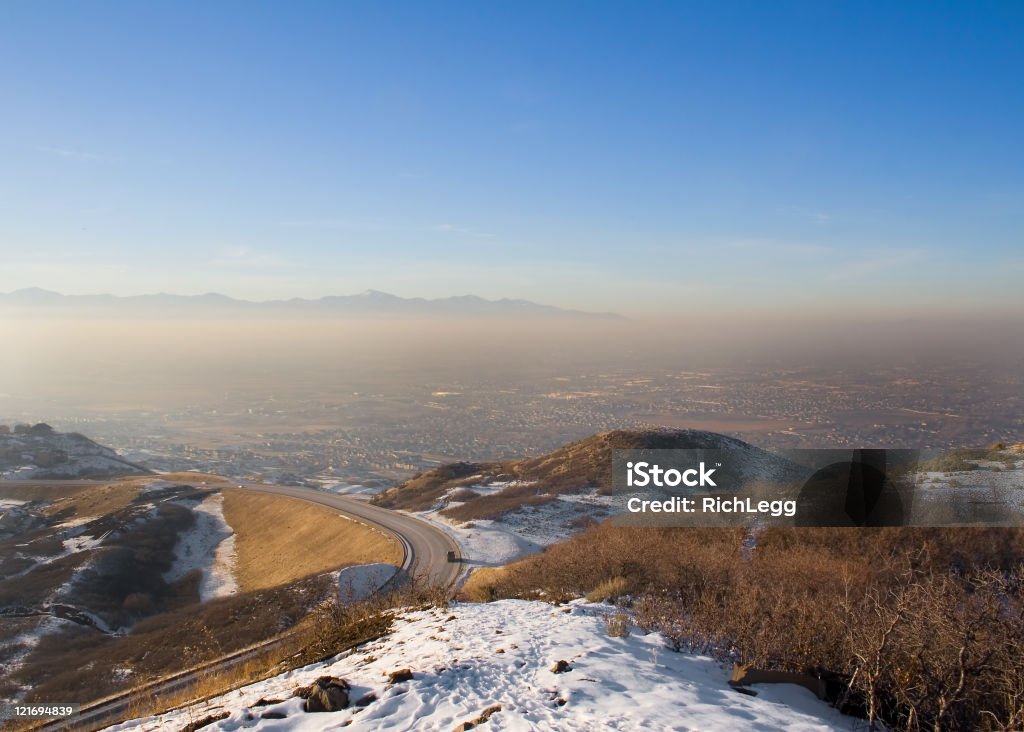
617, 624
481, 585
610, 589
916, 628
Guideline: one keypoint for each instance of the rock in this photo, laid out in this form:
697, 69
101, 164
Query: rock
480, 719
366, 700
204, 722
273, 715
326, 694
561, 667
396, 677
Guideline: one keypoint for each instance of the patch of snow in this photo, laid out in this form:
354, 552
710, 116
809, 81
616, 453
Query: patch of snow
491, 543
78, 523
209, 546
483, 543
1001, 488
549, 523
484, 489
356, 490
359, 582
155, 486
26, 642
469, 658
82, 543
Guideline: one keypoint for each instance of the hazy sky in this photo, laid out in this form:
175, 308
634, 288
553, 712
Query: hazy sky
612, 156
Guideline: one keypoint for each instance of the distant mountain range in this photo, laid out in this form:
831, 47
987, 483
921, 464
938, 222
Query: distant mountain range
371, 303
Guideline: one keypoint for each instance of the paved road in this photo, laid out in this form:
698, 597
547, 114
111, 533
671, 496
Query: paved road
425, 557
426, 546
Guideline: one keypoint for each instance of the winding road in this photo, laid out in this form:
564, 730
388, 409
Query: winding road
425, 546
425, 551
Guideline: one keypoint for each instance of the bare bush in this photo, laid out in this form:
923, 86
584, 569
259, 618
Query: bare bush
617, 624
913, 628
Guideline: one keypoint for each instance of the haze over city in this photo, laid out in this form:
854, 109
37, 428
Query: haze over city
332, 332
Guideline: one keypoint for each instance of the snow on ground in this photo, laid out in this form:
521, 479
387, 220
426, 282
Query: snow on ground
359, 582
556, 521
483, 543
17, 648
492, 543
76, 467
83, 542
469, 657
156, 486
208, 546
75, 525
356, 490
997, 483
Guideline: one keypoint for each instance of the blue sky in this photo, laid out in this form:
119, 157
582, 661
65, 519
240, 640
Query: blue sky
661, 157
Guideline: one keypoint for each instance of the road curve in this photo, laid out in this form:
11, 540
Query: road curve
426, 546
425, 558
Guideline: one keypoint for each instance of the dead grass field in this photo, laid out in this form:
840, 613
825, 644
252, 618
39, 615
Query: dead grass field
75, 501
481, 585
280, 539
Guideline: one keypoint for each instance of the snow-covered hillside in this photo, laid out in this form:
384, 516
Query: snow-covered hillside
498, 661
494, 542
208, 546
38, 452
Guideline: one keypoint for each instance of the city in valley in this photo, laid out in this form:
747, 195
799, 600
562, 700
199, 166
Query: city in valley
372, 431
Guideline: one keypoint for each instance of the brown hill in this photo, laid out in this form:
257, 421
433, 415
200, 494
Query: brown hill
577, 467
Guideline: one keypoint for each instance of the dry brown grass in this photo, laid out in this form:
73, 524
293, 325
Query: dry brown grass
208, 685
610, 589
498, 504
76, 500
280, 539
481, 586
330, 629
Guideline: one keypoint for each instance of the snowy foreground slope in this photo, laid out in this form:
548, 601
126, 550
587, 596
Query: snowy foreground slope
470, 658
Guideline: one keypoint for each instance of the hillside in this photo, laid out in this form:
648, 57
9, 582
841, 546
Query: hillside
122, 574
501, 511
38, 452
496, 666
490, 490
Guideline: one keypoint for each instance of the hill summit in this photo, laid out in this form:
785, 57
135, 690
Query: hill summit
491, 489
38, 452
